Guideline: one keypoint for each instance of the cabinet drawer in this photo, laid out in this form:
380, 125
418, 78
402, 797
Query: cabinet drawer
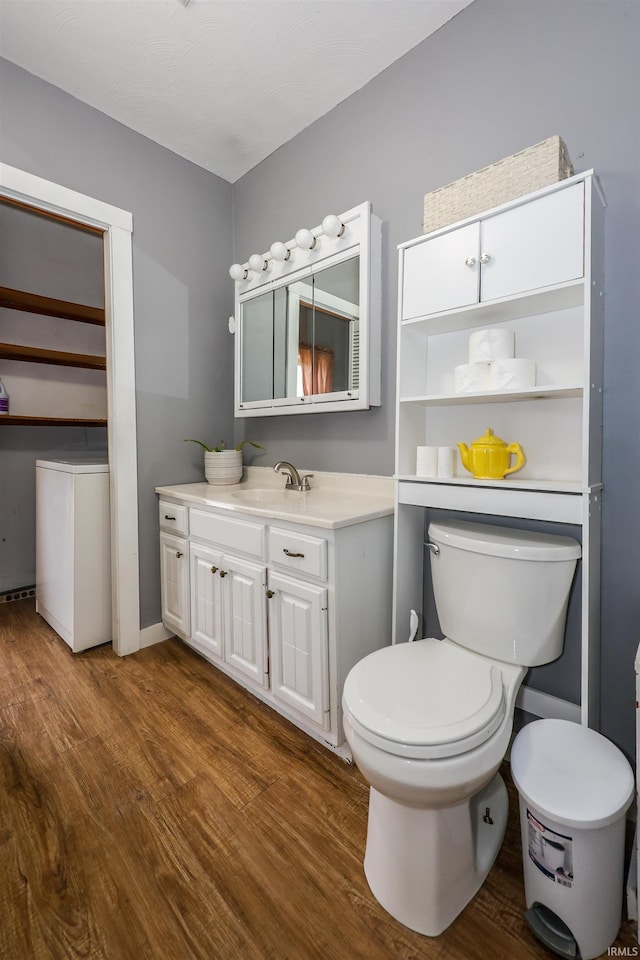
174, 518
229, 532
296, 551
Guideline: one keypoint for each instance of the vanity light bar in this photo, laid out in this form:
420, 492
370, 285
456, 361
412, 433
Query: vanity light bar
332, 227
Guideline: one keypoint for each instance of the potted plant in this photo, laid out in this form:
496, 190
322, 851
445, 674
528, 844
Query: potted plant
223, 466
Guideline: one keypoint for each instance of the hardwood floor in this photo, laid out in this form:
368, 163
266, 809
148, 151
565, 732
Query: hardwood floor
150, 809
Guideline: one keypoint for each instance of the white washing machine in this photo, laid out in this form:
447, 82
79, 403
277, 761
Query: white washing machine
73, 550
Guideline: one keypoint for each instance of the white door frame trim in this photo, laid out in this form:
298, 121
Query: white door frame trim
123, 470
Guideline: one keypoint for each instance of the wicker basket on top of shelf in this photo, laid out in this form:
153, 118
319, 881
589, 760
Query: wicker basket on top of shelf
528, 170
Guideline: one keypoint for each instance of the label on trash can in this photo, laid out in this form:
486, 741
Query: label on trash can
551, 852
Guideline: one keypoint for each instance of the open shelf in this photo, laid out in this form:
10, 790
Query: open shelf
559, 297
50, 307
15, 351
501, 396
10, 420
509, 483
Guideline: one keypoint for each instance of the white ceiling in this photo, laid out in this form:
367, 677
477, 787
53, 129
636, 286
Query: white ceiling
223, 83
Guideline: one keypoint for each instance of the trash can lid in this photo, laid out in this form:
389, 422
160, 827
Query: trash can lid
571, 773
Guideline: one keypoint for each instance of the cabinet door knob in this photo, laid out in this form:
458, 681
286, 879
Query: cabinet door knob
485, 258
214, 569
223, 573
470, 262
178, 554
289, 553
270, 593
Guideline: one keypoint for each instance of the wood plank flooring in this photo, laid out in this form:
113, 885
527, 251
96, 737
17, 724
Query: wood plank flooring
150, 809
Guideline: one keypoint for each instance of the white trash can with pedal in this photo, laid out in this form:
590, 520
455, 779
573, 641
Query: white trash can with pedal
575, 788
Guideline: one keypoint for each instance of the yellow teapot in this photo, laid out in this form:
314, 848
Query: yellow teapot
488, 457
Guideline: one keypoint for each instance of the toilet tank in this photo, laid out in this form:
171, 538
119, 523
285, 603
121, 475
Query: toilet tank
501, 592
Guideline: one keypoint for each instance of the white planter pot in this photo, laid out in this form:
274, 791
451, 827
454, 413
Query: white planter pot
224, 467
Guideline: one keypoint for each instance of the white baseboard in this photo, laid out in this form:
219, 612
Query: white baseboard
545, 706
156, 633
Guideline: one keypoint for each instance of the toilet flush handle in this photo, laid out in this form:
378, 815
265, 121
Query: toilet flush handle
435, 549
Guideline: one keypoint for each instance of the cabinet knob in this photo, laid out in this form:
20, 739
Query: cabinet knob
214, 569
485, 258
470, 262
270, 593
223, 573
178, 554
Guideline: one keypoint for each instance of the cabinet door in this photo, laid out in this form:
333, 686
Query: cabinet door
299, 654
441, 274
174, 581
536, 245
206, 599
244, 615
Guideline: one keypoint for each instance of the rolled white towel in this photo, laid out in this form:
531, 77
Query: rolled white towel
495, 343
515, 374
471, 377
427, 462
446, 462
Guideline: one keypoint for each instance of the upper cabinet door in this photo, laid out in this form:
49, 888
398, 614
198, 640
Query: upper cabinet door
441, 274
538, 244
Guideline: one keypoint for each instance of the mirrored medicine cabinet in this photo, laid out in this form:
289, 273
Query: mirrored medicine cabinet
308, 323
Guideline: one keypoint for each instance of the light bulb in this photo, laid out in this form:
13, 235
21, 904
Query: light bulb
305, 239
280, 251
257, 263
238, 272
332, 226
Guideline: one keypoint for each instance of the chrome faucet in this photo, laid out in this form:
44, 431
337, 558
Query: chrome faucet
294, 480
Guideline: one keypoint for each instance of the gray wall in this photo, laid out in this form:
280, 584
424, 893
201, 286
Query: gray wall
182, 292
498, 77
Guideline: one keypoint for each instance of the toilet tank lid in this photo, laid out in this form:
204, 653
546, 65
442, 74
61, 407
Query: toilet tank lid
496, 541
571, 773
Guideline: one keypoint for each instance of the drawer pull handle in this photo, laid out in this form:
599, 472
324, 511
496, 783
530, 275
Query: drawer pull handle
214, 569
178, 554
223, 573
290, 554
270, 593
167, 517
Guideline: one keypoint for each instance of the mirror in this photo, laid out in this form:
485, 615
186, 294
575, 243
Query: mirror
304, 341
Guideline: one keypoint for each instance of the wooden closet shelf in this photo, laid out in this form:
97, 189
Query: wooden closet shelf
15, 351
9, 420
49, 307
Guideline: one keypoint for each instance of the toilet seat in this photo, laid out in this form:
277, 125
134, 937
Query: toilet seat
425, 700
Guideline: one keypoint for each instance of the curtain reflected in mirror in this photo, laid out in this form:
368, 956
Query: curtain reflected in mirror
316, 369
326, 313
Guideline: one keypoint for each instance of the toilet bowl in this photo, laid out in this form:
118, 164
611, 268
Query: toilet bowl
429, 722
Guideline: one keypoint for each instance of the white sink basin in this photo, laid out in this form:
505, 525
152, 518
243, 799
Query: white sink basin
267, 496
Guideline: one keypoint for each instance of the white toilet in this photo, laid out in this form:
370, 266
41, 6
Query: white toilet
429, 722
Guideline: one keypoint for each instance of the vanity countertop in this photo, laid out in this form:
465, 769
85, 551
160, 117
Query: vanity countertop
335, 499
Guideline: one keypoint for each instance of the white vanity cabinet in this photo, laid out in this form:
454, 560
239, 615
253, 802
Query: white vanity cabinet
298, 623
534, 267
174, 566
228, 592
228, 610
283, 608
